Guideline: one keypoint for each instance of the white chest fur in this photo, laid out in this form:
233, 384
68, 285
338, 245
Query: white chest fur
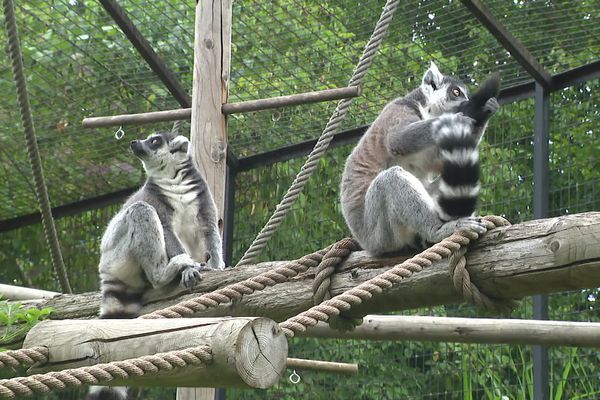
185, 223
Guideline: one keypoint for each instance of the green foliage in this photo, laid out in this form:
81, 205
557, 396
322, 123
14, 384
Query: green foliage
12, 314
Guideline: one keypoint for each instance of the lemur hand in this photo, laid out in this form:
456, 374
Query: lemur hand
491, 106
483, 103
190, 276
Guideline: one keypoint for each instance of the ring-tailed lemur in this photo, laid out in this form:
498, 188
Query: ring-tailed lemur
388, 197
167, 230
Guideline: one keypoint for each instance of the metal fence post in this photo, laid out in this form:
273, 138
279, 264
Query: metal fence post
540, 210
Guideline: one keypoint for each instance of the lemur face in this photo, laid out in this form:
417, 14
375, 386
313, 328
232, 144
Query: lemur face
443, 93
160, 151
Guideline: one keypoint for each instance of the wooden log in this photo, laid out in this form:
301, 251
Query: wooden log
212, 47
10, 292
534, 257
322, 366
247, 352
210, 89
467, 330
227, 108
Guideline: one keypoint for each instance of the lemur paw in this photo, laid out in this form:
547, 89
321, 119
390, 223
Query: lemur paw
474, 224
491, 106
190, 276
190, 270
452, 125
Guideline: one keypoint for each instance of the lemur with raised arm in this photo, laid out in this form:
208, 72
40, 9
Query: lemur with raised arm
413, 178
166, 231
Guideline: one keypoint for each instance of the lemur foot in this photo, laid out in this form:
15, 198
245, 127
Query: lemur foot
190, 276
190, 270
474, 224
214, 263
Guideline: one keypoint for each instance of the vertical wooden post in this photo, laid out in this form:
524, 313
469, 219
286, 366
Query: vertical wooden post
212, 55
212, 50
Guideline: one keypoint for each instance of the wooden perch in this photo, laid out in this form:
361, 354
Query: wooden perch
247, 352
11, 292
322, 366
227, 108
466, 330
534, 257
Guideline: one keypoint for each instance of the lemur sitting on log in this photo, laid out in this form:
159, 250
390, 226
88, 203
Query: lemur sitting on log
390, 196
167, 230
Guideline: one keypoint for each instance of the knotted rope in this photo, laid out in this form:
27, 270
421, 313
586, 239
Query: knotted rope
322, 144
101, 373
461, 278
355, 296
41, 191
23, 357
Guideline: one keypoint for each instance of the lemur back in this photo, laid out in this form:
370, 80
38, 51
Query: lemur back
389, 196
166, 231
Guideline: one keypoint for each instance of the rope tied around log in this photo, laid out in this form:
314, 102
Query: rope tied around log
23, 357
461, 279
236, 290
454, 244
100, 373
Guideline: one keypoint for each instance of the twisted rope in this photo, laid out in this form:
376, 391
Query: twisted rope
366, 290
23, 357
41, 191
100, 373
326, 268
461, 278
235, 291
322, 144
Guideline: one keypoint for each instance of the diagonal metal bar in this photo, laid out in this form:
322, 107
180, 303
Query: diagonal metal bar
510, 43
147, 52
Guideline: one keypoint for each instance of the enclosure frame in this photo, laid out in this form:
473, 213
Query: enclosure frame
539, 88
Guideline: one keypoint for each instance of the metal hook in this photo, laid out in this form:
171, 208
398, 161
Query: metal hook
119, 133
294, 377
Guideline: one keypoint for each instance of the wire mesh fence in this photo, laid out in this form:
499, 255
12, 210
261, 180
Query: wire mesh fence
79, 64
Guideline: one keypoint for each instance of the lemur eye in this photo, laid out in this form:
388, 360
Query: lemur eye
456, 92
154, 141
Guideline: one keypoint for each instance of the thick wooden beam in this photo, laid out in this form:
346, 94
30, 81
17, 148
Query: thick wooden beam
147, 52
247, 352
226, 108
510, 43
534, 257
467, 330
212, 47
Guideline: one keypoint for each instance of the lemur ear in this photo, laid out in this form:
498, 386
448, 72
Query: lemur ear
170, 135
433, 77
185, 146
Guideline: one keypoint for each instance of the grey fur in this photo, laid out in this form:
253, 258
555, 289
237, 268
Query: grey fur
388, 190
165, 231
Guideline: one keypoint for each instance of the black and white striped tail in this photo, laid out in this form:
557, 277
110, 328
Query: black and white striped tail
459, 179
119, 301
107, 393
